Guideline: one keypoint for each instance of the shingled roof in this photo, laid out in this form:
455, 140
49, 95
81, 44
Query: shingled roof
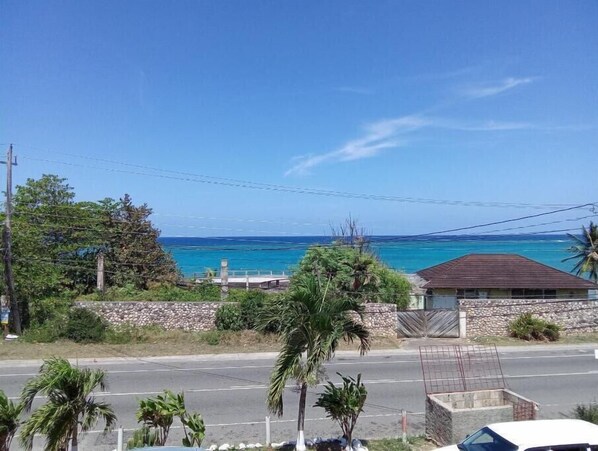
501, 271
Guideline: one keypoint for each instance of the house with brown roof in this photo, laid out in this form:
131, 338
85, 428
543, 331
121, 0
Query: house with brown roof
499, 276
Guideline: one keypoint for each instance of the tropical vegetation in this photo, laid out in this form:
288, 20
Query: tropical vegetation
586, 412
10, 414
70, 408
57, 240
344, 404
585, 252
356, 272
157, 415
313, 317
527, 327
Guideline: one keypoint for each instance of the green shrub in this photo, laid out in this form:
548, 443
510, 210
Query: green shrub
211, 337
48, 309
394, 289
228, 317
587, 412
48, 332
526, 327
126, 334
85, 326
250, 304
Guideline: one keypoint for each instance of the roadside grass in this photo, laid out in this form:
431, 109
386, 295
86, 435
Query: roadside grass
155, 341
152, 341
511, 341
415, 443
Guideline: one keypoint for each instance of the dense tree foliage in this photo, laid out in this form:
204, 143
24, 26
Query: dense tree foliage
355, 271
56, 242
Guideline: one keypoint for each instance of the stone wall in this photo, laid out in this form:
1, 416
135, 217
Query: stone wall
492, 316
381, 319
193, 316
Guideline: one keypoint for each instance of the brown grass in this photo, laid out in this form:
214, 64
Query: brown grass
162, 343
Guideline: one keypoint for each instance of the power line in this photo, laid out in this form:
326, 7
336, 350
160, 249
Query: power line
199, 178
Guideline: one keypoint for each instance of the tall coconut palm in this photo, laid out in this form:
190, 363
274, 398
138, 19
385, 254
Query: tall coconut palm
312, 321
9, 420
70, 408
585, 250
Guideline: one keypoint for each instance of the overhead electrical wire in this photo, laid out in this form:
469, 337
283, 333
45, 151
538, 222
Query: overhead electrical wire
199, 178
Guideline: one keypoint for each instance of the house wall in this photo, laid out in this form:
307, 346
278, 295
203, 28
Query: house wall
492, 316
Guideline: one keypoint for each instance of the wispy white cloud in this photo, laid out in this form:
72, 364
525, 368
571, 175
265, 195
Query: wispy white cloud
393, 133
492, 89
380, 135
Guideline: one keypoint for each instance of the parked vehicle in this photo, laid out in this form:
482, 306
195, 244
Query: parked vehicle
536, 435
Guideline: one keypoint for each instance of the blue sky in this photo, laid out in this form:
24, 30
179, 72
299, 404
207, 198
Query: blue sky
481, 101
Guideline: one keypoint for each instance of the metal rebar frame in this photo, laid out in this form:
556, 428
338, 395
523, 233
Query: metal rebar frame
460, 368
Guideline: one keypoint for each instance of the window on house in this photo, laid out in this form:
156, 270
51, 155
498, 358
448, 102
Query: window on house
528, 293
469, 293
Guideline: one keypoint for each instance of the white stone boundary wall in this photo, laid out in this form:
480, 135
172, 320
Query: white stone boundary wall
380, 319
492, 316
191, 316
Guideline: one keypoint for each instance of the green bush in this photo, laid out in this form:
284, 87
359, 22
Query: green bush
85, 326
250, 303
394, 289
211, 337
48, 332
526, 327
126, 334
228, 317
587, 412
48, 309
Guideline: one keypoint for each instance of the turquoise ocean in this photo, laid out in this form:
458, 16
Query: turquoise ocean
403, 253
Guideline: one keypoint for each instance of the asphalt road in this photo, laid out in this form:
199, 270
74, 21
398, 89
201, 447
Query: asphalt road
230, 391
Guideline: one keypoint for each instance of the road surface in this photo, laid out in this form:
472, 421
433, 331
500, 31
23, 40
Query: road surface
229, 391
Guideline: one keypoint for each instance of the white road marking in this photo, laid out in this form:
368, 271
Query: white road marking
330, 364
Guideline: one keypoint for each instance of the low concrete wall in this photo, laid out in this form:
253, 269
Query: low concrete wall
492, 316
380, 319
451, 416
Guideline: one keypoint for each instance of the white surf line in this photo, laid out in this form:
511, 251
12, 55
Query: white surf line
329, 364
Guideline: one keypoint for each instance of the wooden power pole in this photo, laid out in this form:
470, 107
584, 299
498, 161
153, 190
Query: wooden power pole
15, 314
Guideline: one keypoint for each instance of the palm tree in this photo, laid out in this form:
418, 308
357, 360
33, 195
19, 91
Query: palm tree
586, 252
312, 322
344, 404
9, 420
70, 408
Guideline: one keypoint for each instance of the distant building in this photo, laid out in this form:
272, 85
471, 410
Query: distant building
498, 276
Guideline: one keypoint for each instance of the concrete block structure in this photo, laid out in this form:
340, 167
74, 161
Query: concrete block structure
450, 417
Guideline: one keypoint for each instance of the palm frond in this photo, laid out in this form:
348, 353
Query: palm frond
284, 369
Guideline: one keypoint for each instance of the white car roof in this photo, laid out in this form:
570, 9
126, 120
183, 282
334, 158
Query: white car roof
535, 433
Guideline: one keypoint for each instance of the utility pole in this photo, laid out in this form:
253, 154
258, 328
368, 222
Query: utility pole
7, 244
100, 278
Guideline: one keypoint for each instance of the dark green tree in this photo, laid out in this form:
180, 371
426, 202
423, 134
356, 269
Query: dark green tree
357, 273
56, 242
133, 253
